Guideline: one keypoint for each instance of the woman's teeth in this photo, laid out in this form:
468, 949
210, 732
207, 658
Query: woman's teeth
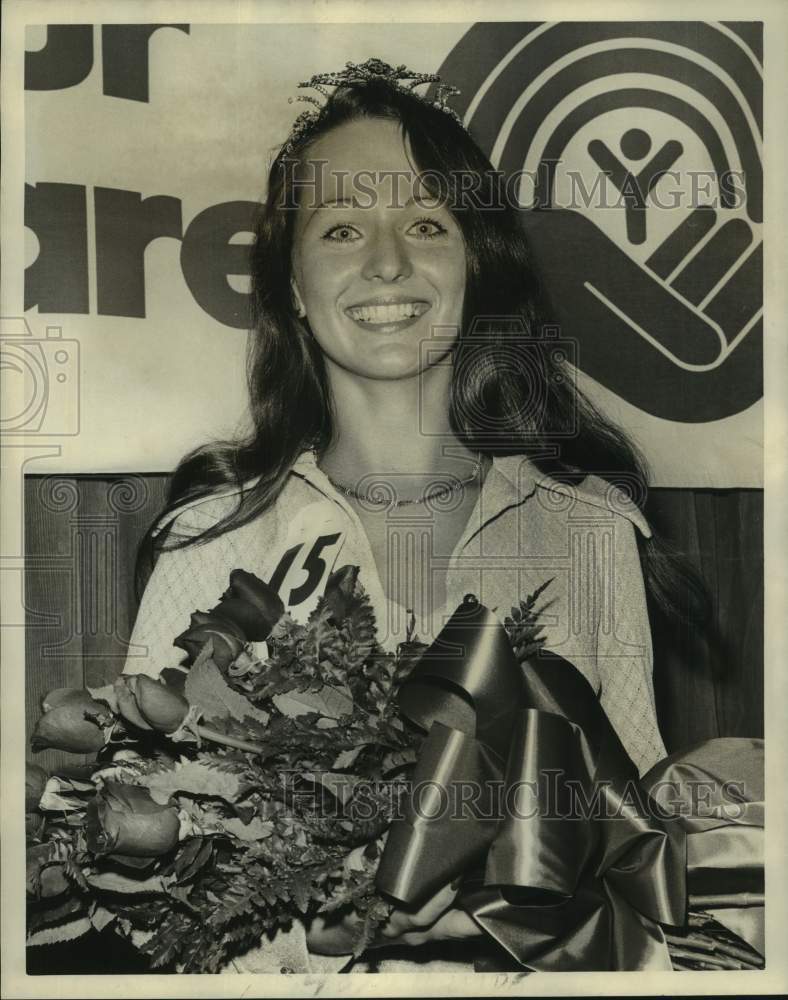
389, 313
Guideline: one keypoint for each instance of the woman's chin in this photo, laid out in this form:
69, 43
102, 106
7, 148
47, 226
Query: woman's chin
391, 370
386, 359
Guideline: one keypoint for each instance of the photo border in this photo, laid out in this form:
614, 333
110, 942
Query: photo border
772, 980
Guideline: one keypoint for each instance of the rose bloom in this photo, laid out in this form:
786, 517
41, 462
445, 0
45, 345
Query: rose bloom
150, 704
228, 639
68, 722
44, 877
250, 604
35, 782
124, 819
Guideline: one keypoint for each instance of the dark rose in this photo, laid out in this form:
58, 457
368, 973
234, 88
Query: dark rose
35, 782
127, 703
124, 819
44, 878
251, 605
339, 591
149, 704
174, 678
69, 722
227, 638
57, 696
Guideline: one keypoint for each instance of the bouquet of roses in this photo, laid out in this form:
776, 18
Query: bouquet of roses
226, 800
278, 776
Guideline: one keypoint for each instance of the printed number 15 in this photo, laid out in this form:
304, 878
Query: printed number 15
314, 566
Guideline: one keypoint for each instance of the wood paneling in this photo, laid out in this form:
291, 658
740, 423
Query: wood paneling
709, 680
81, 535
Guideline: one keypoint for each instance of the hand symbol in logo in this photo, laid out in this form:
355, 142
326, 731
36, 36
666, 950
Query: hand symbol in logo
679, 337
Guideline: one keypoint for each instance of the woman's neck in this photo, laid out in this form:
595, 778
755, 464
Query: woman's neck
398, 426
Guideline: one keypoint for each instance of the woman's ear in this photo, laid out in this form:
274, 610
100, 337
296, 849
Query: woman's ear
298, 303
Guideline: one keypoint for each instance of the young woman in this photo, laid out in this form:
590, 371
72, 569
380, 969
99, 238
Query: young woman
412, 415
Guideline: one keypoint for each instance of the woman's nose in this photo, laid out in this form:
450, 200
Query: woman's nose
388, 258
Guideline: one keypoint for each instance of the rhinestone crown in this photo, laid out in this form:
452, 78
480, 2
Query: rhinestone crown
358, 73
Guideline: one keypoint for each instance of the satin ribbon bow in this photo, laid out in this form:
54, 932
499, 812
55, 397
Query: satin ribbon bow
523, 786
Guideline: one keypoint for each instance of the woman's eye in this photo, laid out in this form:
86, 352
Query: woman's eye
427, 229
342, 233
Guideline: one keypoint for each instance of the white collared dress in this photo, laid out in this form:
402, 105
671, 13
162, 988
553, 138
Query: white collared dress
525, 529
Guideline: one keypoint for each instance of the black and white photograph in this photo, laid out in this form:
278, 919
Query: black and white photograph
393, 473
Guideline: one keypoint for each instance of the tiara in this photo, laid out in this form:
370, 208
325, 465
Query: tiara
357, 73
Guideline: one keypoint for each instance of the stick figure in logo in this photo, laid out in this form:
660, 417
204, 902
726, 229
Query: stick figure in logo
635, 188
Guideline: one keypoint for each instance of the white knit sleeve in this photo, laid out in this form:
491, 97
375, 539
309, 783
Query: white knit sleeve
183, 580
624, 652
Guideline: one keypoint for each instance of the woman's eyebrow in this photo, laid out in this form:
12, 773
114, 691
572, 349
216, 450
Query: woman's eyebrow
348, 203
352, 203
333, 201
328, 203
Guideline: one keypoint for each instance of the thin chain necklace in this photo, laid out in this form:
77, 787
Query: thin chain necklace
441, 491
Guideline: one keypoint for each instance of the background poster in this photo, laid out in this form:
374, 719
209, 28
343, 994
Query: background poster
642, 138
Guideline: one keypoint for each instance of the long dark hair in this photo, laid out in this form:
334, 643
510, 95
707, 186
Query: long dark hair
511, 391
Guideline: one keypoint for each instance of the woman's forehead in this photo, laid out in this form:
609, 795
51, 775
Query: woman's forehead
363, 155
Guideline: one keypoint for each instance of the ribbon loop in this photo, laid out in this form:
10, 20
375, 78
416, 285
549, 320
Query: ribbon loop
523, 787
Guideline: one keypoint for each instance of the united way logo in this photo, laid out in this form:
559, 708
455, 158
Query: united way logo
635, 153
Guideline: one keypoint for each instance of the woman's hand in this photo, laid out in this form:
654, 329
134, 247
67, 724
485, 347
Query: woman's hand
435, 920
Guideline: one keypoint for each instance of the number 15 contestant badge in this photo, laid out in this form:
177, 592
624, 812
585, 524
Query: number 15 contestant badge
300, 573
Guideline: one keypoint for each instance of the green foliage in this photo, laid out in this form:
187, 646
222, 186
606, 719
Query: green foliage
207, 689
523, 626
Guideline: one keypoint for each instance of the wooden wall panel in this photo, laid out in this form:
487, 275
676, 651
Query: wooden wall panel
81, 537
50, 600
709, 679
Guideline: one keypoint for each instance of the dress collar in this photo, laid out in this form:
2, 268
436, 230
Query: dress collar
509, 481
516, 470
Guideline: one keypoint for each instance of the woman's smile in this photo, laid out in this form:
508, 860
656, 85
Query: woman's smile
388, 314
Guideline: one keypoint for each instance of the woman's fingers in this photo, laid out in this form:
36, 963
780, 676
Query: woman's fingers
453, 925
402, 921
434, 907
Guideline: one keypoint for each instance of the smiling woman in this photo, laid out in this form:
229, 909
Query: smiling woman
378, 265
411, 407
